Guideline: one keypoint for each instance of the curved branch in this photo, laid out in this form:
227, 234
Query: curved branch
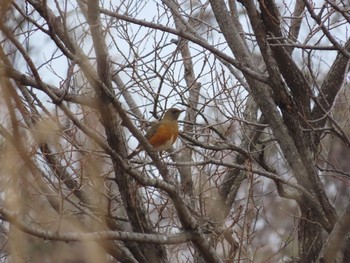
96, 236
318, 20
201, 42
26, 80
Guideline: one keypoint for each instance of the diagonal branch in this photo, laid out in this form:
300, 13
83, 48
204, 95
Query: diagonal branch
289, 139
329, 89
336, 239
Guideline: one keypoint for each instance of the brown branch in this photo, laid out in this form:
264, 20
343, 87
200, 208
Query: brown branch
288, 69
318, 20
287, 132
201, 42
95, 236
26, 80
296, 22
194, 89
336, 238
330, 88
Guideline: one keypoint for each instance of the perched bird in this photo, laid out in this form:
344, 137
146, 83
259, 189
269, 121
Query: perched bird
162, 134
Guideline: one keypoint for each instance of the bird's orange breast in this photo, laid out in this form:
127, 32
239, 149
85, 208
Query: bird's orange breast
164, 136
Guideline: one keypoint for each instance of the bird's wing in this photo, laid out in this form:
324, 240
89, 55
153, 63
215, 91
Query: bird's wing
151, 131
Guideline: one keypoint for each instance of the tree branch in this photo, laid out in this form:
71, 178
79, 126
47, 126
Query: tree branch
95, 236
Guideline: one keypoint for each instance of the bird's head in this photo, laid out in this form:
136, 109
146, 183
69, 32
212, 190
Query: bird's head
172, 114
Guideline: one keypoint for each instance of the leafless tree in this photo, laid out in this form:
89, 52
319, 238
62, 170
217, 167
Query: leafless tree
260, 172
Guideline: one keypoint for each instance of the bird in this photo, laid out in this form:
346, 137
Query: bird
162, 134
